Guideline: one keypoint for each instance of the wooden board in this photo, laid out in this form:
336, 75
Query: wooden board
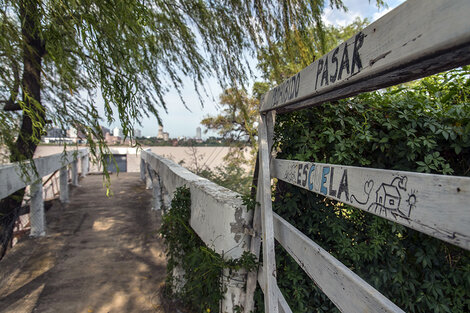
12, 178
436, 205
416, 39
271, 304
283, 306
345, 289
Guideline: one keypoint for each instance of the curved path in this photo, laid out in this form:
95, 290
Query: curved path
100, 255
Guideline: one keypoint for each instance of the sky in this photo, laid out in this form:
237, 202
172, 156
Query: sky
179, 121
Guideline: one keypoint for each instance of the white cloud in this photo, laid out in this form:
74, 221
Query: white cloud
340, 18
379, 14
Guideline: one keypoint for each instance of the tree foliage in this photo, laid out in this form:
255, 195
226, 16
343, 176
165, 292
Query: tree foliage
57, 57
293, 57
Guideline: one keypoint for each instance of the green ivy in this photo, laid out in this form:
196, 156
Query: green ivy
423, 126
202, 288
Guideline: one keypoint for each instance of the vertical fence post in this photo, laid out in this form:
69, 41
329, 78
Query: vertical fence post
85, 163
64, 184
157, 195
269, 261
142, 167
148, 177
36, 213
75, 172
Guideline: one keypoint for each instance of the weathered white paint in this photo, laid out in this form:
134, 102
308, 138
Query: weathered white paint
157, 195
142, 170
37, 217
125, 150
345, 289
218, 216
64, 185
283, 306
271, 304
234, 296
416, 39
85, 163
74, 166
436, 205
14, 179
255, 245
148, 177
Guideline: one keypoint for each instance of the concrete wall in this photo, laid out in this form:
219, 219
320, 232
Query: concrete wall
210, 157
217, 215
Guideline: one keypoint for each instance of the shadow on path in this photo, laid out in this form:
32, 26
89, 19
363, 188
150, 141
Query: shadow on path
100, 255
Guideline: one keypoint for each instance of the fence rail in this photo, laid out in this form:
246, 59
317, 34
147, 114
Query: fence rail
17, 176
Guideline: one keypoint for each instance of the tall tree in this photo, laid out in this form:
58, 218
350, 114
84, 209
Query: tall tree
57, 55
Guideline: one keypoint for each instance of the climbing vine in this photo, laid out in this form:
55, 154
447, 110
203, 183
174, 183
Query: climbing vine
423, 126
200, 287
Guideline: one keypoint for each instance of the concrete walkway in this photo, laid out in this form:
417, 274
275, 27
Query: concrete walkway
100, 255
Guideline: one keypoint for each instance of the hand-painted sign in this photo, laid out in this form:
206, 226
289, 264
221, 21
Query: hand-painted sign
401, 46
433, 204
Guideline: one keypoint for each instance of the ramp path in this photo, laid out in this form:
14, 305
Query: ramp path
101, 254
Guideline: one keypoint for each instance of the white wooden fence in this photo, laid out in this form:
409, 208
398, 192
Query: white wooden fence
15, 177
417, 39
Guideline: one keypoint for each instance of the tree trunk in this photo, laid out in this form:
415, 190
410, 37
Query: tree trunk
32, 124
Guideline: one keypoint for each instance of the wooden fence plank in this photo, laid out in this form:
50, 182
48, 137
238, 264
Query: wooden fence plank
283, 306
269, 261
436, 205
345, 289
416, 39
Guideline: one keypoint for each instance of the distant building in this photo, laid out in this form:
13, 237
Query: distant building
55, 132
76, 135
104, 130
160, 132
198, 133
112, 140
117, 132
137, 133
56, 135
72, 133
166, 136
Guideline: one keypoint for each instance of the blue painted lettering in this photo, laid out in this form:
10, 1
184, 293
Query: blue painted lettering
323, 189
310, 183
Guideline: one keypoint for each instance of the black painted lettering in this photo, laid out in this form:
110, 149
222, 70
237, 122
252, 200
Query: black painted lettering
304, 182
343, 186
297, 85
334, 60
299, 173
358, 41
332, 174
344, 62
324, 77
319, 69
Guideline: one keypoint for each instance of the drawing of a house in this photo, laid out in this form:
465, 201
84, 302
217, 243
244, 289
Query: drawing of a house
388, 197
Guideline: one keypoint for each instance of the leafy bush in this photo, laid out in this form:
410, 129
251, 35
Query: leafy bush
202, 288
422, 127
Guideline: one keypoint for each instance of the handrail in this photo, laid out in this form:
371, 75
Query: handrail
218, 215
13, 179
15, 176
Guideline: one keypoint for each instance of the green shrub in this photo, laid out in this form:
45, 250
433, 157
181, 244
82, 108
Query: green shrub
202, 288
424, 127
